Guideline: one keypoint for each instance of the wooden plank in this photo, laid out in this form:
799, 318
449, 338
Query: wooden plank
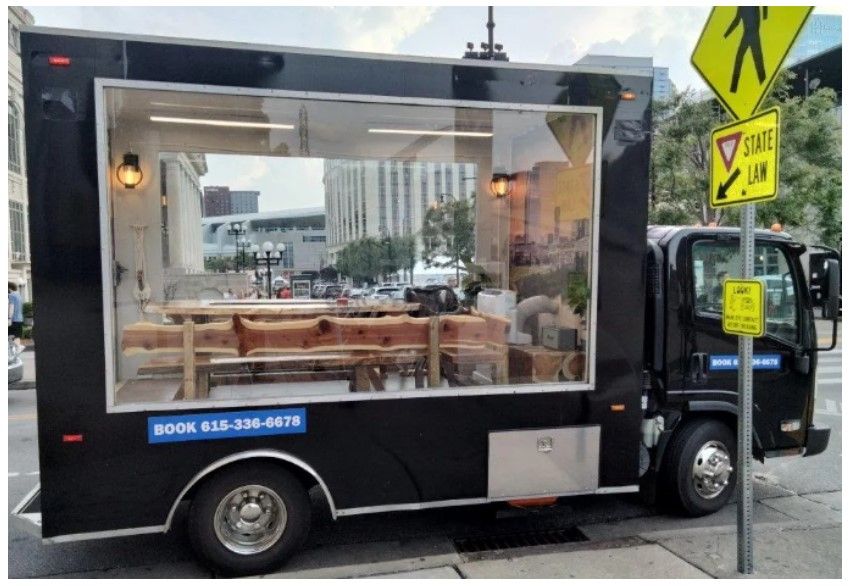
433, 364
330, 334
211, 338
418, 374
281, 308
281, 377
496, 326
188, 360
328, 360
375, 378
360, 380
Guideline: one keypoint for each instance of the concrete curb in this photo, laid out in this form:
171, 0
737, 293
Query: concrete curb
24, 385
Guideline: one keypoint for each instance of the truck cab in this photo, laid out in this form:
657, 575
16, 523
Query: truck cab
691, 364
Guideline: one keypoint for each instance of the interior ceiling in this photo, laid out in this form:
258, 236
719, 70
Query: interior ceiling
332, 129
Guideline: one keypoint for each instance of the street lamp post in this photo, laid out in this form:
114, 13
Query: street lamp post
238, 230
269, 257
242, 245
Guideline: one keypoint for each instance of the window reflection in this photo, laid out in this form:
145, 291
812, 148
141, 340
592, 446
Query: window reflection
283, 247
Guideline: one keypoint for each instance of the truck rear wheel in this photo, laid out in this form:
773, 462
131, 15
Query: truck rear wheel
699, 474
248, 519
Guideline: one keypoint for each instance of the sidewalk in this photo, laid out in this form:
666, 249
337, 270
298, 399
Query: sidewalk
796, 536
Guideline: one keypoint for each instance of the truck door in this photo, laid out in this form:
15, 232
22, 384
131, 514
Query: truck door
783, 365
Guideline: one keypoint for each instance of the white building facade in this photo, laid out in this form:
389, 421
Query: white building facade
182, 211
19, 249
387, 198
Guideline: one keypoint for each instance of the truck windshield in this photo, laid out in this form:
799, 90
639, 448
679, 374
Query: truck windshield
715, 261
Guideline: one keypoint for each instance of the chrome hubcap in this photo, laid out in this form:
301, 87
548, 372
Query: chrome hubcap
250, 519
711, 469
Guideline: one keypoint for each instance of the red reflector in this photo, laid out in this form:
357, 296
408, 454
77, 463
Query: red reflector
59, 60
69, 438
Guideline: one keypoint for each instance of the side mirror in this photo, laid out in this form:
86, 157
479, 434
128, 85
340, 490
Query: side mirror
831, 305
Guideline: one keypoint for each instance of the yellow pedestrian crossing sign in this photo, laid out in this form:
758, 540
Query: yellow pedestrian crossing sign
741, 49
743, 304
744, 160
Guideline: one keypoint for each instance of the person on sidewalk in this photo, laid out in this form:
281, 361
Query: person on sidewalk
16, 312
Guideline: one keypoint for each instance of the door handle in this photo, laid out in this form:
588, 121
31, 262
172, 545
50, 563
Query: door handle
699, 367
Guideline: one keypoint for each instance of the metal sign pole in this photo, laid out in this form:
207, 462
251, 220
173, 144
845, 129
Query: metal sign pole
745, 494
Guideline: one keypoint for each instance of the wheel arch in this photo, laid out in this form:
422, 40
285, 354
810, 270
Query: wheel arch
301, 469
721, 411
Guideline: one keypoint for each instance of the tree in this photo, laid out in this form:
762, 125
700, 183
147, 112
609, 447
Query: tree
810, 157
448, 232
328, 273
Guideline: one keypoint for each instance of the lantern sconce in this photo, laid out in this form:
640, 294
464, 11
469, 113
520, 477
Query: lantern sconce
500, 185
129, 173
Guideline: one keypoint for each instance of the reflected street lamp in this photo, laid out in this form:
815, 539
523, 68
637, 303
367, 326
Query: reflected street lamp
238, 230
268, 257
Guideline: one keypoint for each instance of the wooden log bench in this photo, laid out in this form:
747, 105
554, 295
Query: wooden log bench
467, 342
362, 350
366, 347
193, 344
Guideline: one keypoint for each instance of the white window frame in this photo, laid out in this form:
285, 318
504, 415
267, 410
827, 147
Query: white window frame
16, 162
101, 84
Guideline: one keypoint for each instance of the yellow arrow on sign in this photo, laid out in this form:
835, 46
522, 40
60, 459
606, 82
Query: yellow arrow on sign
741, 49
744, 160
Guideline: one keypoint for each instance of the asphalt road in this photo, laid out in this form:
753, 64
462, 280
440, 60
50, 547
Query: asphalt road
169, 555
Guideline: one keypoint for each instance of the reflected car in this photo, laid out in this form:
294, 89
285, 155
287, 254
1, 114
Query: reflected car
16, 365
332, 292
385, 292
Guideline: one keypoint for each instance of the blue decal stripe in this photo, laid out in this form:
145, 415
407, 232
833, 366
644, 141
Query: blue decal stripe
208, 426
759, 362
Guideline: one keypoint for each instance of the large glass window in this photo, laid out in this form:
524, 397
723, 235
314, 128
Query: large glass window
715, 261
244, 274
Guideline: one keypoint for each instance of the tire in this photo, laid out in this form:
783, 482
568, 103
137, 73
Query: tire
700, 448
275, 519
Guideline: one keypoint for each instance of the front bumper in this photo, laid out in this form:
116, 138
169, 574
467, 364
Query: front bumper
817, 440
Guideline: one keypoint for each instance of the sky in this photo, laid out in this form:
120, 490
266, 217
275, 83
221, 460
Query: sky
553, 35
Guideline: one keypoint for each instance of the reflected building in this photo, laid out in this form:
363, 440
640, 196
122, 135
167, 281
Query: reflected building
387, 198
181, 200
301, 230
19, 270
216, 200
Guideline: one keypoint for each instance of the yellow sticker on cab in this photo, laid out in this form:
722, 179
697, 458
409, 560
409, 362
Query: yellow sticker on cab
743, 302
744, 160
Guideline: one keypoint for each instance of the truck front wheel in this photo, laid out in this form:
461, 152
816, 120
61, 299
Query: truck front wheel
699, 474
249, 519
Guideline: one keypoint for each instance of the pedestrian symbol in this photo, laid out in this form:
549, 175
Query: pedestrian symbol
742, 48
744, 160
750, 17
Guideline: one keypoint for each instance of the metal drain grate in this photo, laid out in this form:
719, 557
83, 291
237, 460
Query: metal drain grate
513, 540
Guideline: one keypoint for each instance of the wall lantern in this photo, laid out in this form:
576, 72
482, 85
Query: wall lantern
500, 185
129, 173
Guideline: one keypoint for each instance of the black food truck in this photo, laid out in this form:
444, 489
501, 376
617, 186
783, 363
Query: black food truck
585, 356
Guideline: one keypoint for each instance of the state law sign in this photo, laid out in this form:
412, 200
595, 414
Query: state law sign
744, 160
741, 49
